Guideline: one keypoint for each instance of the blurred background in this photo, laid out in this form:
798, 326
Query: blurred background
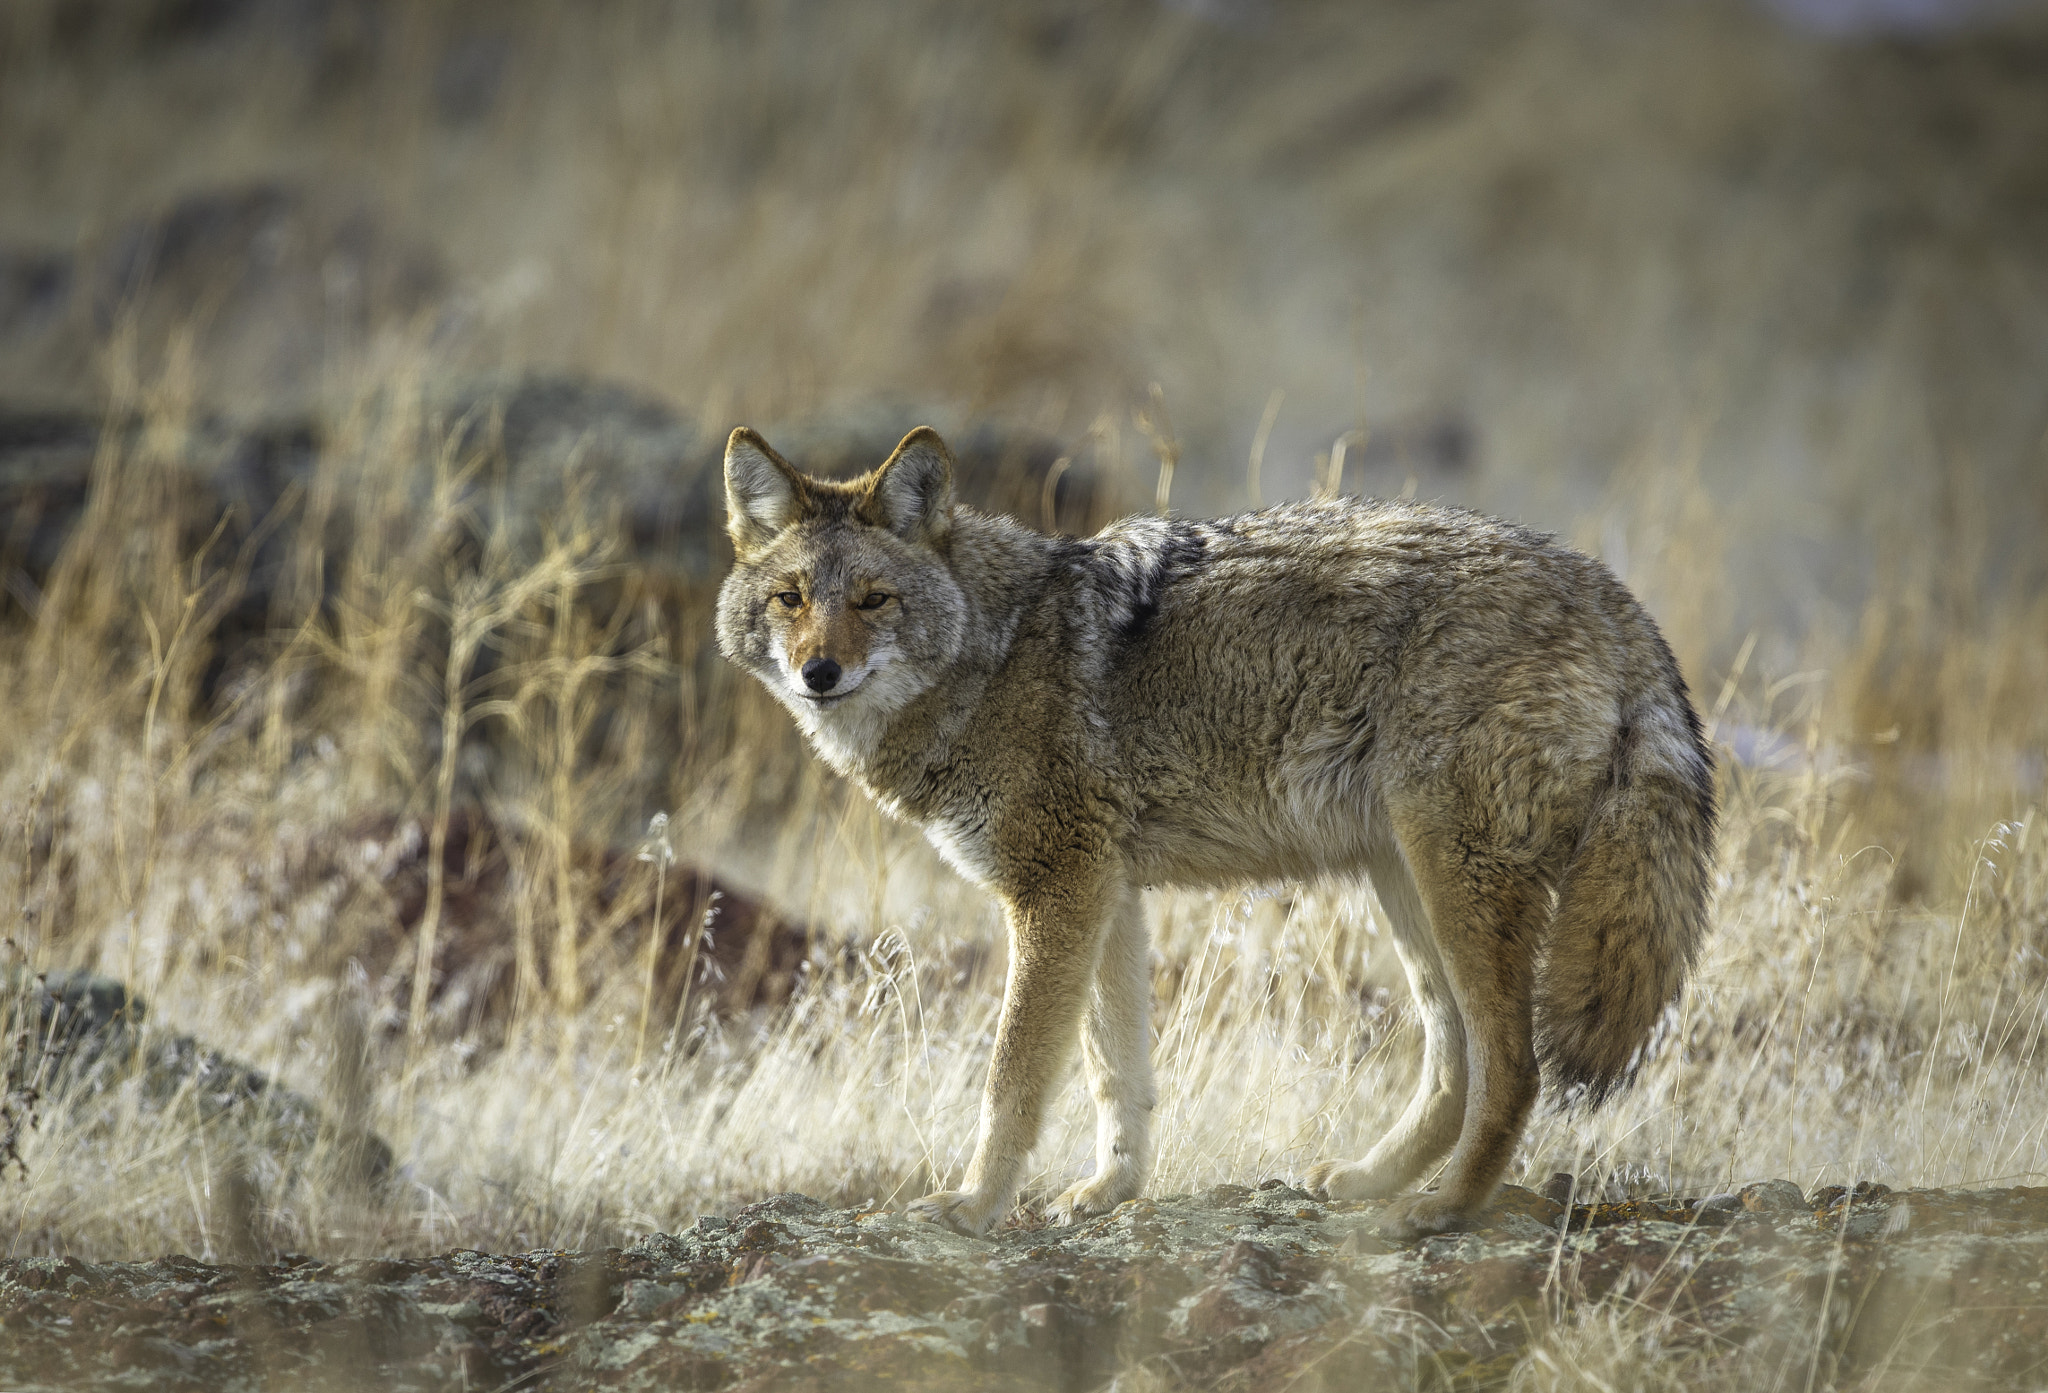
364, 367
1793, 247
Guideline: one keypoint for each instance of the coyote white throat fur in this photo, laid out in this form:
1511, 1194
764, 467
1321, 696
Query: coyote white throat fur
1482, 722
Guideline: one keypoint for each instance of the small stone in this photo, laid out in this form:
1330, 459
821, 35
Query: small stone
1280, 1192
1511, 1202
1771, 1197
76, 1276
711, 1223
1558, 1188
664, 1248
1718, 1209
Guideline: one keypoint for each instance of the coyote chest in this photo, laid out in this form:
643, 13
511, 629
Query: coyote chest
964, 846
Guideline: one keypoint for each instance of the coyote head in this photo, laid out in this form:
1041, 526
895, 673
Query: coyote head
840, 599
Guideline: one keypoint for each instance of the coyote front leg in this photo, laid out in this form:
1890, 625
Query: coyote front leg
1116, 1047
1053, 941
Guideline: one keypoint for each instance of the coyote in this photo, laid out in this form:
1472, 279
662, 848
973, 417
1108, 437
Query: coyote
1484, 723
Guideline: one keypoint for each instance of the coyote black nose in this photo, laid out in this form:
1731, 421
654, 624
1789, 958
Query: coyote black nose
821, 674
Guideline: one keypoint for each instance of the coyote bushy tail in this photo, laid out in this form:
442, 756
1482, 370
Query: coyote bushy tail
1632, 905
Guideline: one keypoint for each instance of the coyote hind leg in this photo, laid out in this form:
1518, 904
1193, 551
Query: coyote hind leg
1488, 912
1429, 1125
1116, 1050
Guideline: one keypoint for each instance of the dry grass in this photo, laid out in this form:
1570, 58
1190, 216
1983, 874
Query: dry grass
803, 209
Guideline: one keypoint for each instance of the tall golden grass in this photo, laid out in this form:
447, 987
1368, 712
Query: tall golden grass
1838, 1029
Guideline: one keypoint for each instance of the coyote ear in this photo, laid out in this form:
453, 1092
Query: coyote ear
763, 492
912, 493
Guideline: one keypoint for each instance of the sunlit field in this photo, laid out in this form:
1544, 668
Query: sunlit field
360, 791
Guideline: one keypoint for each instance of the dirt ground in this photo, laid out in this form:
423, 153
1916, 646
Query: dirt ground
1231, 1289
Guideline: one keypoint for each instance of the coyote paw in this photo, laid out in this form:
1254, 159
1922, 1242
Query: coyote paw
962, 1211
1347, 1180
1095, 1196
1419, 1216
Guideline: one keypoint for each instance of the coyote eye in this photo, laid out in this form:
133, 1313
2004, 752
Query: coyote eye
874, 600
790, 599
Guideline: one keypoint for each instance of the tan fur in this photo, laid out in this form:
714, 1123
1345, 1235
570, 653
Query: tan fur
828, 626
1483, 722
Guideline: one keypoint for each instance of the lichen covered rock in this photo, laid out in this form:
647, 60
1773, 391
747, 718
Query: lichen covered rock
1233, 1288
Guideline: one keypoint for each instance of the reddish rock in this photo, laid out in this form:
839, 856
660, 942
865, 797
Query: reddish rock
746, 955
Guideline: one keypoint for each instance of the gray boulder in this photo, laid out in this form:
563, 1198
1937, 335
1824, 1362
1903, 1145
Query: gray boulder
647, 475
81, 1033
273, 281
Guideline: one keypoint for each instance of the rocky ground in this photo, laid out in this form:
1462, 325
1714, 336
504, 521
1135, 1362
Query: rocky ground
1230, 1289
